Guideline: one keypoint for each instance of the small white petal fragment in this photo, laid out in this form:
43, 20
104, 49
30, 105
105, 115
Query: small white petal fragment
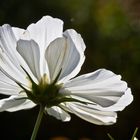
58, 113
15, 103
29, 50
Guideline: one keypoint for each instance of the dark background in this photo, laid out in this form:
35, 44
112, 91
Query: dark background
111, 31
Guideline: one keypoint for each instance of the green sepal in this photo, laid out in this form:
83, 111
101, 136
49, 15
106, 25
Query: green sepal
56, 79
33, 83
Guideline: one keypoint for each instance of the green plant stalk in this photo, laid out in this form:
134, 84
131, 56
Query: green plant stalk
111, 138
134, 134
38, 121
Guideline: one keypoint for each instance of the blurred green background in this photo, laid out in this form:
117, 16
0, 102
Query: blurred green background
111, 31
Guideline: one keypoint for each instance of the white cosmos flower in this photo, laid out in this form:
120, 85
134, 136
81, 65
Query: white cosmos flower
38, 66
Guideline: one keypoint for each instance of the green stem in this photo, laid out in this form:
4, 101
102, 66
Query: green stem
38, 121
134, 134
111, 138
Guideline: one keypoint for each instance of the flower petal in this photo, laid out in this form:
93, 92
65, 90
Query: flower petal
8, 42
74, 57
43, 32
58, 113
18, 32
102, 87
55, 55
10, 70
29, 50
66, 55
28, 104
124, 101
92, 115
10, 59
7, 86
15, 103
48, 29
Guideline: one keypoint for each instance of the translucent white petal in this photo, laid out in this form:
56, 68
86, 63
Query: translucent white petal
124, 101
10, 60
74, 57
66, 55
15, 103
8, 42
18, 32
58, 113
7, 86
10, 70
28, 104
29, 50
43, 32
55, 55
101, 87
92, 115
4, 79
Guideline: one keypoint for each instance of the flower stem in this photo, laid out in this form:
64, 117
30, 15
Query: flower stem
38, 121
134, 134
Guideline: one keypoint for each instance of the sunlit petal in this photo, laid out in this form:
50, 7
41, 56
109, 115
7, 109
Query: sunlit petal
10, 70
7, 86
29, 50
10, 60
46, 30
58, 113
124, 101
28, 104
43, 32
101, 87
74, 57
8, 42
15, 103
18, 32
66, 55
92, 115
55, 55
